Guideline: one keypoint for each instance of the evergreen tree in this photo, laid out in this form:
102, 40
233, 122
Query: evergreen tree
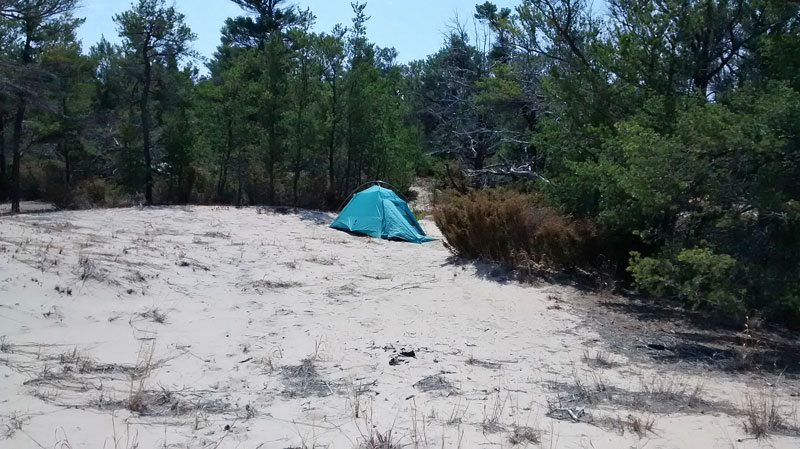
33, 25
152, 34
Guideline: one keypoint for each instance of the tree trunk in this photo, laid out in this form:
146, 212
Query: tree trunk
239, 177
64, 144
273, 152
332, 140
2, 146
223, 174
347, 170
299, 131
16, 140
16, 144
67, 165
295, 183
298, 155
148, 163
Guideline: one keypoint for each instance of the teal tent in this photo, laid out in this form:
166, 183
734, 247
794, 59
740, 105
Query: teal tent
380, 213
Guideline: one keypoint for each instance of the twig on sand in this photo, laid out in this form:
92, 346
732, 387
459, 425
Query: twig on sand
217, 443
407, 286
574, 414
32, 439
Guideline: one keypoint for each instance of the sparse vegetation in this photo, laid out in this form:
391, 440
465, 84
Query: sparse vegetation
670, 389
458, 413
371, 437
355, 398
5, 344
155, 315
657, 395
262, 286
380, 440
137, 393
12, 424
763, 415
493, 414
599, 360
74, 361
86, 267
641, 426
303, 380
327, 261
472, 361
434, 383
524, 435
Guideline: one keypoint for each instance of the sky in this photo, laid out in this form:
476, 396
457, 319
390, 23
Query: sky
416, 28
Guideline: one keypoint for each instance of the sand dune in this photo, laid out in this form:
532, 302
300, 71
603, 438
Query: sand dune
216, 327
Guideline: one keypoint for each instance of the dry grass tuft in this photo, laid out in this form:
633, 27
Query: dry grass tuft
5, 345
472, 361
137, 396
378, 440
371, 438
155, 315
434, 383
262, 286
493, 415
658, 395
599, 360
525, 435
74, 361
641, 426
572, 400
671, 389
458, 414
12, 424
86, 268
327, 261
763, 416
356, 397
304, 381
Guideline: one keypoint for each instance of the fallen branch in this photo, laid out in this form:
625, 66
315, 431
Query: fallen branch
519, 171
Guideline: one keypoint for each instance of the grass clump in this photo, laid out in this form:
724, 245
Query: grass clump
503, 226
524, 435
378, 440
598, 360
137, 393
640, 425
155, 315
5, 344
763, 416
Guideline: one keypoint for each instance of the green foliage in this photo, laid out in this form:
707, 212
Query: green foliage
699, 277
286, 115
672, 125
333, 108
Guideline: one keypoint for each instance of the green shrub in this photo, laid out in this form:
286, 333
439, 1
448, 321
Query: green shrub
508, 227
788, 308
700, 277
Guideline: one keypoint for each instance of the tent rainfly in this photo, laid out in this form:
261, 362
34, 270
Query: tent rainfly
380, 213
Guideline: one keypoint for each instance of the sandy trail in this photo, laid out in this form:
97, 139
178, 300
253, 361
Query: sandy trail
230, 328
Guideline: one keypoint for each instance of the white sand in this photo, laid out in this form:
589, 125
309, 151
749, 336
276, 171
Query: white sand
28, 207
246, 295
